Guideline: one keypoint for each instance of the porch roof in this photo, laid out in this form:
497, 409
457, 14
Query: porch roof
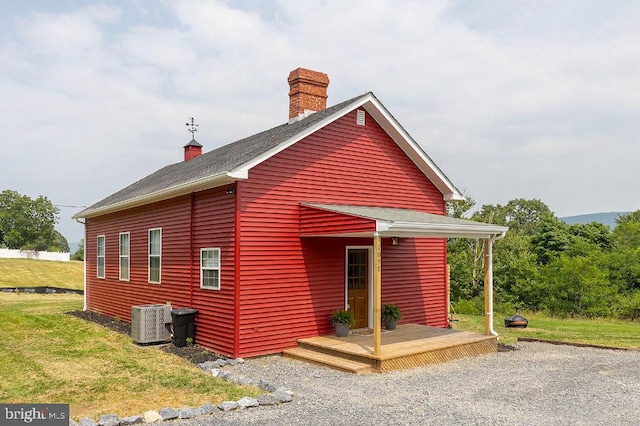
391, 222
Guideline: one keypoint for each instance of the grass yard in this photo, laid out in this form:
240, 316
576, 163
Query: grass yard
36, 273
623, 334
50, 357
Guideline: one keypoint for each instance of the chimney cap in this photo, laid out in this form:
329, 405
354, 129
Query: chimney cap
309, 76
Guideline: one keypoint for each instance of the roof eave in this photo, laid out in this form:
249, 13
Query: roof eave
202, 184
441, 230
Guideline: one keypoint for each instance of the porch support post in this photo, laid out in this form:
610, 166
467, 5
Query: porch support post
377, 293
488, 287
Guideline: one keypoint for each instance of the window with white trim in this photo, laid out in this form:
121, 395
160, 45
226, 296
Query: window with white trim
155, 255
100, 257
124, 256
210, 268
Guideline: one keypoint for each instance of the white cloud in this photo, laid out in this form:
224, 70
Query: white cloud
510, 99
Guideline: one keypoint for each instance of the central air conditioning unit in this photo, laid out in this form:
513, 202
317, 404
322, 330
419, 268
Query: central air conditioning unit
148, 323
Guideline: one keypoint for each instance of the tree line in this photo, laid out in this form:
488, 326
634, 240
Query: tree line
544, 264
29, 224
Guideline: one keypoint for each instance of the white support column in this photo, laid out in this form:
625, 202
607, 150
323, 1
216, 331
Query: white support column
488, 287
377, 294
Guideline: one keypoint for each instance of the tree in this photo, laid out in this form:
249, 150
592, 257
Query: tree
79, 254
459, 208
26, 223
554, 238
464, 255
627, 230
623, 262
526, 216
516, 274
578, 287
490, 213
60, 243
545, 264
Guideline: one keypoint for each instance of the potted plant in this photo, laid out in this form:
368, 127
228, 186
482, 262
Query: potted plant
342, 320
390, 315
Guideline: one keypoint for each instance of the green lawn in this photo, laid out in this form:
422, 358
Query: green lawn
36, 273
50, 357
606, 332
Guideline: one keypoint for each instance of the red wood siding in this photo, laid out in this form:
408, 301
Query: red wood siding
291, 284
413, 277
288, 284
213, 227
321, 222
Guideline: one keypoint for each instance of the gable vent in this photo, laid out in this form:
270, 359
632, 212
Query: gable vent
360, 117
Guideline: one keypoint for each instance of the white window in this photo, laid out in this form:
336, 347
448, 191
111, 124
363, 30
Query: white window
100, 259
155, 255
124, 256
210, 268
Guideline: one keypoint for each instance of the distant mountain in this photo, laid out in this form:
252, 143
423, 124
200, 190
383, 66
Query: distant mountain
605, 218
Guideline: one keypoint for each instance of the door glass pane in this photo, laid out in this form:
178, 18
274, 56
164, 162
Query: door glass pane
357, 269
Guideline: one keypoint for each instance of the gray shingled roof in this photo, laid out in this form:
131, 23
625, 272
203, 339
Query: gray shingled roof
223, 159
403, 221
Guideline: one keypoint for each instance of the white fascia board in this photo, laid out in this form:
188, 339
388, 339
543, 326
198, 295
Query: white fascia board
412, 149
309, 131
167, 193
445, 230
383, 226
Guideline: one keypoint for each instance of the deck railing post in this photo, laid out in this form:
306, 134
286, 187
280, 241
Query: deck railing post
377, 293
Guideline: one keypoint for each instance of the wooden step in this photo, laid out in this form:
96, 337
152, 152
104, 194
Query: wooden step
332, 361
341, 352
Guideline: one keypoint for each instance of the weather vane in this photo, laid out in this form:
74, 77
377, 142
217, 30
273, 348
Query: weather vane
192, 128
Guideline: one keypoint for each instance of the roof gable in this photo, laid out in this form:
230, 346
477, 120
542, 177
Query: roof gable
233, 161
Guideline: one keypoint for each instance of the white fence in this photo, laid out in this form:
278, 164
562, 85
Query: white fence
33, 254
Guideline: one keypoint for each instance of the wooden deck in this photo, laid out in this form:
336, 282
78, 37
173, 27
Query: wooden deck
408, 346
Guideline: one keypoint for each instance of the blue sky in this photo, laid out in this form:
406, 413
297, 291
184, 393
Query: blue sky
511, 99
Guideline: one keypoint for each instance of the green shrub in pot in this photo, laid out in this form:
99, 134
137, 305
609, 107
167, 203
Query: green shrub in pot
342, 320
391, 314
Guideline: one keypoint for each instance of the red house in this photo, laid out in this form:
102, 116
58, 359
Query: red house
266, 236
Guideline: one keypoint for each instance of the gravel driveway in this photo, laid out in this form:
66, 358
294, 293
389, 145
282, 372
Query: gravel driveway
538, 384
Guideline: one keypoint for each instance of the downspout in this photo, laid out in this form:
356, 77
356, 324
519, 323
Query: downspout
191, 245
236, 284
84, 265
488, 284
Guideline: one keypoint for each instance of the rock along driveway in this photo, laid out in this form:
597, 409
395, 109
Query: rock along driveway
538, 384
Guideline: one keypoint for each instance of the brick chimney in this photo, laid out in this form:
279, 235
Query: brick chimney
192, 150
307, 91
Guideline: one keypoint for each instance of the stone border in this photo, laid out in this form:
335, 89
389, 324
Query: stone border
276, 395
578, 345
41, 290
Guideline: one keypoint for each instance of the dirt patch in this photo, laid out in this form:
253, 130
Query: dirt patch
193, 353
105, 321
506, 348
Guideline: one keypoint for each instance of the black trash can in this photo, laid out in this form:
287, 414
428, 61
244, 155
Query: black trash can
184, 325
